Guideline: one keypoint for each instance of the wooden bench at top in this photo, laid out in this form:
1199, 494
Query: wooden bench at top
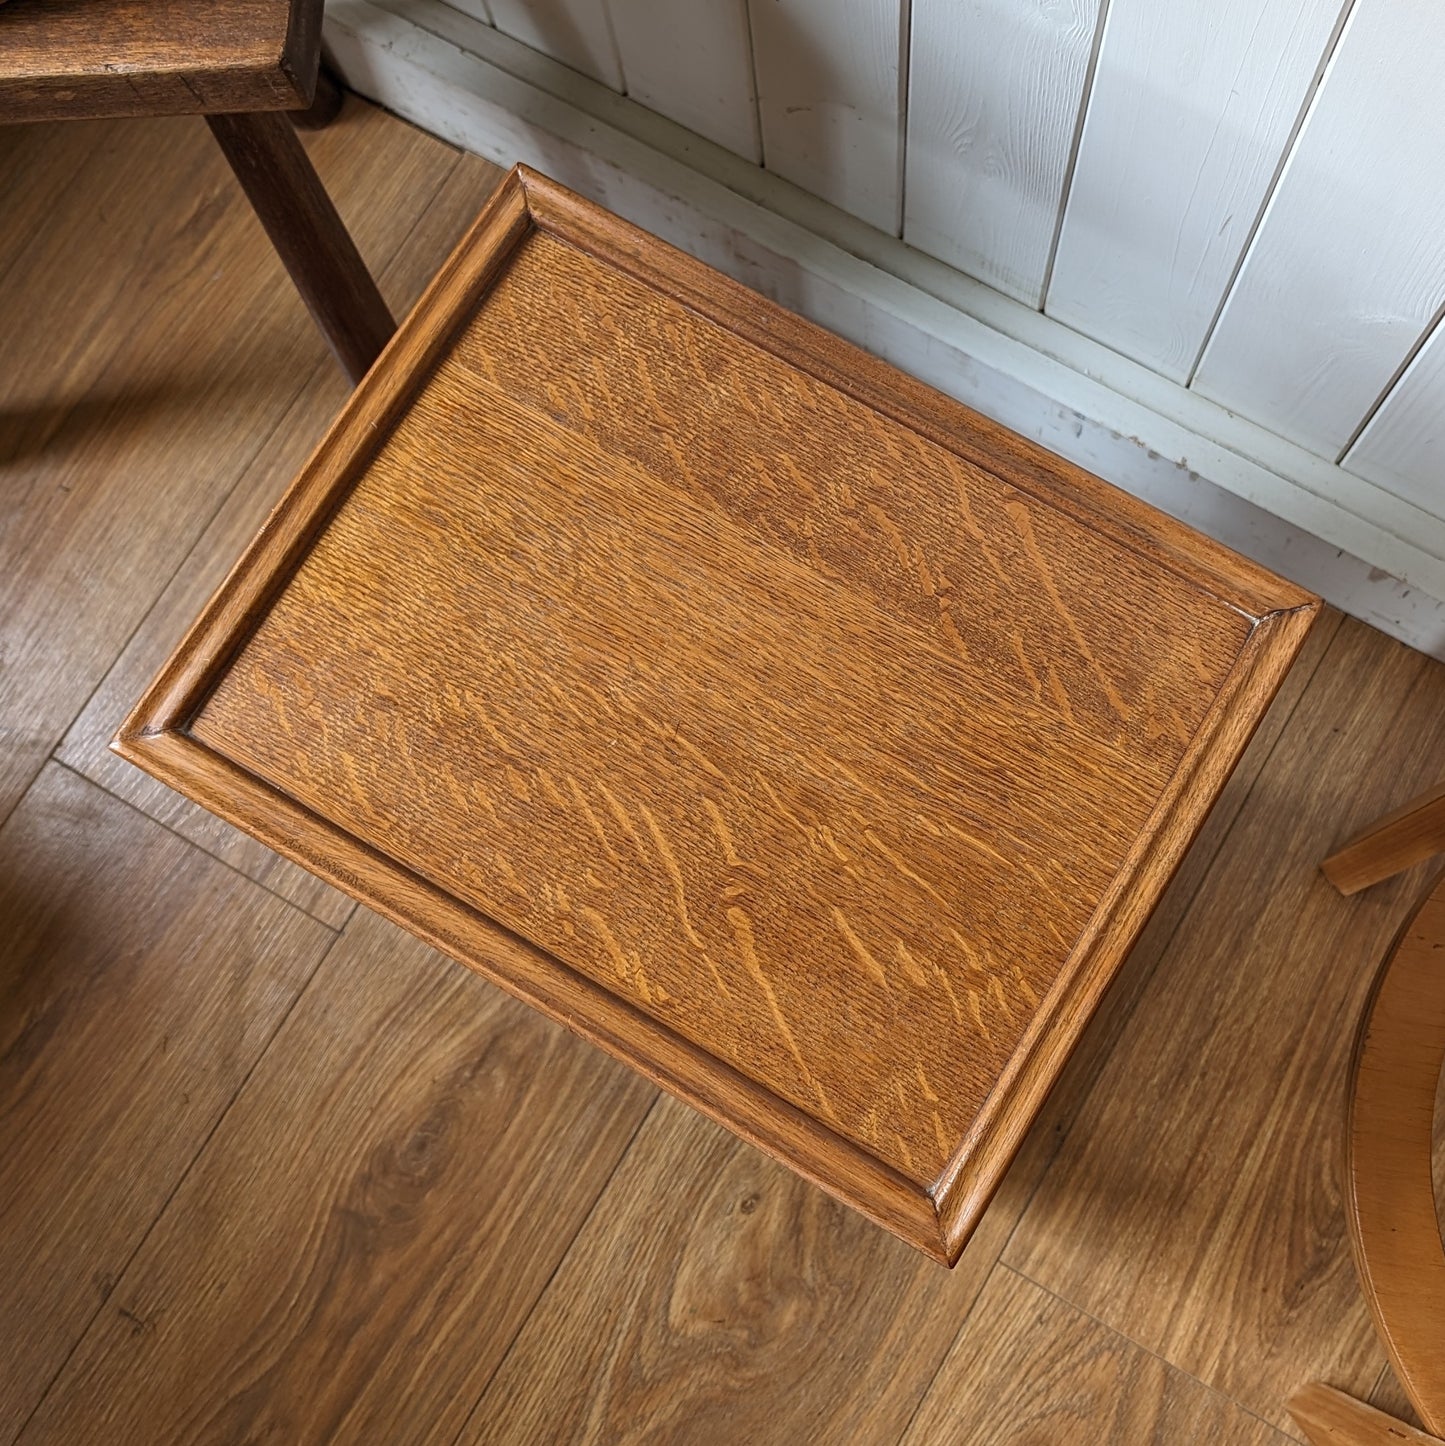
241, 64
807, 741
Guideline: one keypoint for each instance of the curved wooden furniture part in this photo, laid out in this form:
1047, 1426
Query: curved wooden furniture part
241, 64
1390, 1200
1394, 1222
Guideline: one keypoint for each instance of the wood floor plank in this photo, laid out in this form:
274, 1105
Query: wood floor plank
139, 982
38, 165
715, 1297
86, 203
369, 1226
1195, 1205
152, 342
1030, 1370
84, 747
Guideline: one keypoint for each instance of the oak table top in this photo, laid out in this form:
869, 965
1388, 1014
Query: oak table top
804, 739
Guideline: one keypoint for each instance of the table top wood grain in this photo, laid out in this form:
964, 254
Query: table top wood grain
801, 737
67, 59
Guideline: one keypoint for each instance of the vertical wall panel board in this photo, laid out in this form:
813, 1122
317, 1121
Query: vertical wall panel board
830, 98
692, 61
576, 32
1403, 448
993, 108
1348, 265
477, 9
1189, 115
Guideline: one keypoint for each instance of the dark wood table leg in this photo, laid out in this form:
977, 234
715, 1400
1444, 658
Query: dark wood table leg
325, 105
276, 174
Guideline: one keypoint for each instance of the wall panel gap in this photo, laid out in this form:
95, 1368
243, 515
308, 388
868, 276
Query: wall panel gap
1421, 341
905, 69
1286, 154
1078, 136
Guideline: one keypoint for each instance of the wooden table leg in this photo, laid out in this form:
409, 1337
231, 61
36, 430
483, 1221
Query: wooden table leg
325, 104
277, 176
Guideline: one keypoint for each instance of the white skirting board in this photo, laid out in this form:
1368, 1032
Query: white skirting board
1365, 551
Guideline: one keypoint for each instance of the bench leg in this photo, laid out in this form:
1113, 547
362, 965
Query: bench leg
317, 250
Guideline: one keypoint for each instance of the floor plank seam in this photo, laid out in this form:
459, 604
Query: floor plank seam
1380, 1383
1178, 924
205, 526
283, 413
932, 1381
1163, 1360
181, 1179
70, 768
562, 1258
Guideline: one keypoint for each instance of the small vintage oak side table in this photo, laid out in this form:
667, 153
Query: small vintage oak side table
805, 740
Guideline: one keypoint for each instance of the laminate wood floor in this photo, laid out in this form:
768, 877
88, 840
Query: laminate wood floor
271, 1171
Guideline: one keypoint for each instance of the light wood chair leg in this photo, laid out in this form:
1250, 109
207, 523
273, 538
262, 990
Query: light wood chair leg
1408, 836
277, 176
1331, 1418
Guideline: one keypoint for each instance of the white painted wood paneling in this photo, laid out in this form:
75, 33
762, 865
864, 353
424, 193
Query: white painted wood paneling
993, 107
692, 61
1348, 265
477, 9
1273, 500
576, 32
830, 89
1403, 448
1191, 110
